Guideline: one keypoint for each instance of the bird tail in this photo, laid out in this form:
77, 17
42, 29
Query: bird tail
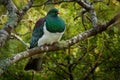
34, 64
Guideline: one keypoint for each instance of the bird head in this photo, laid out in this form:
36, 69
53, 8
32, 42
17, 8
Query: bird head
53, 12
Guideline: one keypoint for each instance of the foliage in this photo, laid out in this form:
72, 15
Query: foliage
102, 49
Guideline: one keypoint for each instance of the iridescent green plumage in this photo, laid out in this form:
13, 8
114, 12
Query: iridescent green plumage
55, 24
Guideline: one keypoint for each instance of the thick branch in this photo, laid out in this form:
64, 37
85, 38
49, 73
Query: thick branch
13, 19
89, 7
11, 22
62, 45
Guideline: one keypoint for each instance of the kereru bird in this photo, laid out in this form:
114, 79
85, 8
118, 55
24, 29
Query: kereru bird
47, 30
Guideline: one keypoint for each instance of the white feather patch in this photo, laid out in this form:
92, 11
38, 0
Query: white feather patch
48, 37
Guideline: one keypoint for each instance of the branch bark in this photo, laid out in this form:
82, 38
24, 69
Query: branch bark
20, 39
14, 18
88, 6
61, 45
52, 2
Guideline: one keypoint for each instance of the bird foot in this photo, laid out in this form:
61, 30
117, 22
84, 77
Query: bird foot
55, 44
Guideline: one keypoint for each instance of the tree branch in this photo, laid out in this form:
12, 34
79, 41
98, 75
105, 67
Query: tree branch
93, 67
56, 72
20, 39
89, 7
13, 19
81, 57
61, 45
52, 2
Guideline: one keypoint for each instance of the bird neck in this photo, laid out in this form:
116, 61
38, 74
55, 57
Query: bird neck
55, 24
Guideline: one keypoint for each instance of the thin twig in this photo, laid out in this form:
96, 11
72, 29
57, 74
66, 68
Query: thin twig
60, 66
57, 73
91, 69
51, 2
15, 76
81, 57
96, 63
20, 39
89, 7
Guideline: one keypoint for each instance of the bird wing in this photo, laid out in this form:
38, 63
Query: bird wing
37, 32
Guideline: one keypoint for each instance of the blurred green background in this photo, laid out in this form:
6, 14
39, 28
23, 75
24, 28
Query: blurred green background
102, 50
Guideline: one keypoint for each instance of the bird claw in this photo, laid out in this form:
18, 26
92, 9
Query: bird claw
55, 44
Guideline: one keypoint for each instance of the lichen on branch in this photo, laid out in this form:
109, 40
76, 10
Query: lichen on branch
14, 18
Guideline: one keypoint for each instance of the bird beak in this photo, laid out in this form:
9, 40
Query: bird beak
58, 13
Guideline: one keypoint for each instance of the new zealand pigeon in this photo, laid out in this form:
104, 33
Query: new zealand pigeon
47, 30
